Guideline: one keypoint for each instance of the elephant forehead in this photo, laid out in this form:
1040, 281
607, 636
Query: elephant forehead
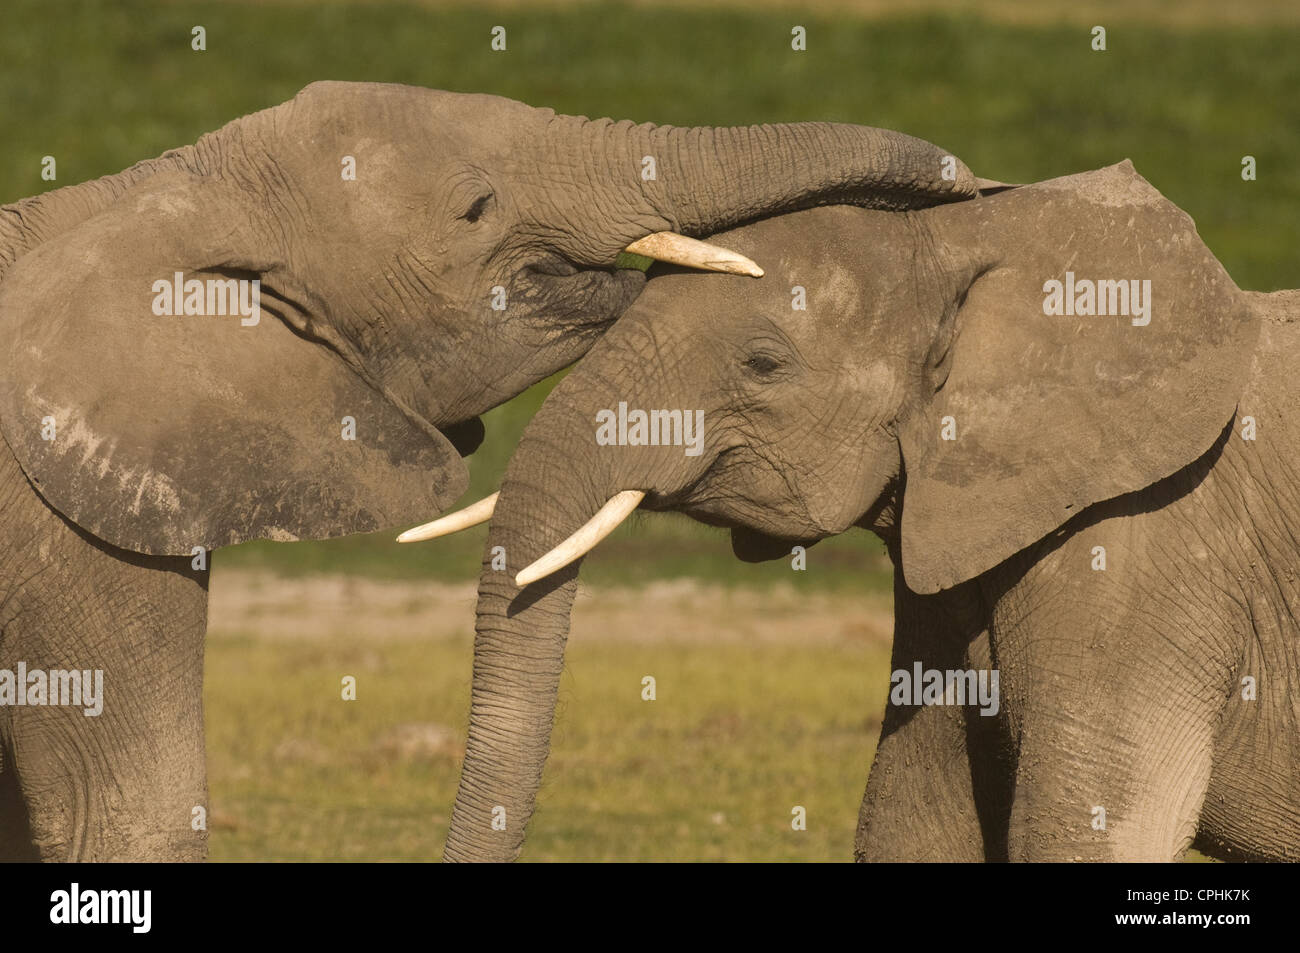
819, 316
372, 103
818, 261
423, 124
832, 294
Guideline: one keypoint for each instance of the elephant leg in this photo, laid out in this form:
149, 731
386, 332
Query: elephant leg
938, 789
1115, 735
1114, 684
120, 784
921, 803
1085, 792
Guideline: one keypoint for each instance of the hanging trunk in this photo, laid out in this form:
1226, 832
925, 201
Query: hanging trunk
519, 643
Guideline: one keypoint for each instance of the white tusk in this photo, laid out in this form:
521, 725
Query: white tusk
691, 253
471, 515
584, 540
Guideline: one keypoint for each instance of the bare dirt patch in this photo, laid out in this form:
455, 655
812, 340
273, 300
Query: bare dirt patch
266, 606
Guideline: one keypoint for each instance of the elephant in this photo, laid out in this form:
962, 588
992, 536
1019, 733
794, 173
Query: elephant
1072, 432
288, 331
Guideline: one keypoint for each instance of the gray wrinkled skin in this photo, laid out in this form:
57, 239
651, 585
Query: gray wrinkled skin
1120, 689
176, 432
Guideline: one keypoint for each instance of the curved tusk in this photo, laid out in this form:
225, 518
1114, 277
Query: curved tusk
690, 253
471, 515
584, 540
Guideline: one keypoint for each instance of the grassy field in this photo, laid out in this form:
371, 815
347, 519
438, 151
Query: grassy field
298, 775
744, 731
709, 770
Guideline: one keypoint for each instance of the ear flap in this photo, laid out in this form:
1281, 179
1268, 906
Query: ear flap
161, 432
1054, 401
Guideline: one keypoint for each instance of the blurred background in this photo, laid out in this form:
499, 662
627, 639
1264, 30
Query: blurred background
771, 682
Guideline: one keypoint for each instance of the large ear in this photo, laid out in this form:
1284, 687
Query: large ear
161, 432
1052, 412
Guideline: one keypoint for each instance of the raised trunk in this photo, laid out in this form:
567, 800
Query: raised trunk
732, 175
706, 179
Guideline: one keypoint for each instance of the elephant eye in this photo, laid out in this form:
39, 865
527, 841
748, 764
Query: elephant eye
762, 365
476, 210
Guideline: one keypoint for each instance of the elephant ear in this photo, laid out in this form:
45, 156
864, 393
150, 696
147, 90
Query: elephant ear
1044, 413
162, 432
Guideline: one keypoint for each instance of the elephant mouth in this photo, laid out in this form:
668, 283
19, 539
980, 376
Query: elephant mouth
752, 546
465, 435
561, 298
748, 543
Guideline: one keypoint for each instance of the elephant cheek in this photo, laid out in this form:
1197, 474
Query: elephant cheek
845, 495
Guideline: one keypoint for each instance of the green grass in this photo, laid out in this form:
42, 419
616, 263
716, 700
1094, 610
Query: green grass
710, 770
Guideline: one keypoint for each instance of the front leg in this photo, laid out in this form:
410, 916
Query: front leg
938, 788
121, 783
1097, 784
1112, 686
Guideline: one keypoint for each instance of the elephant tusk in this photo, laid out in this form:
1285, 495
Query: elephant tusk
584, 540
993, 187
471, 515
691, 253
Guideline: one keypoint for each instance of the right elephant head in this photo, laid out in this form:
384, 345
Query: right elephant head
963, 379
422, 257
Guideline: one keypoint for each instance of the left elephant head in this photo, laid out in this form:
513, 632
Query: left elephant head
407, 259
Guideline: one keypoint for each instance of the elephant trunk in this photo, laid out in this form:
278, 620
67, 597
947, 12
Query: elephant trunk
637, 179
720, 178
519, 642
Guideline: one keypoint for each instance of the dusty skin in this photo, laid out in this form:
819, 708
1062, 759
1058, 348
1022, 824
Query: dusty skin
134, 440
1101, 505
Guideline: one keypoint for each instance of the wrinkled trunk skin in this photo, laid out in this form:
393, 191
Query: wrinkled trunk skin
710, 179
519, 646
557, 480
732, 175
